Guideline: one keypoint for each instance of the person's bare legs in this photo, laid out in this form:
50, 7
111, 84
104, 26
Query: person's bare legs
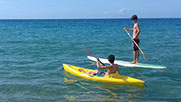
134, 59
94, 72
137, 55
90, 72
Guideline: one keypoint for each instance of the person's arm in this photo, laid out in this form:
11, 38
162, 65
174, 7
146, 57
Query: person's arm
101, 67
128, 29
118, 69
137, 27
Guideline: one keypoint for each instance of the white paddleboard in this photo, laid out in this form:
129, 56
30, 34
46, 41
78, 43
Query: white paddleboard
127, 64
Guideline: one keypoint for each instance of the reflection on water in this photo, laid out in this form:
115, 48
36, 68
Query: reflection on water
68, 80
86, 90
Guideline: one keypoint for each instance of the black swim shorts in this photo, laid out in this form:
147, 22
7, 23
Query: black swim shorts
135, 48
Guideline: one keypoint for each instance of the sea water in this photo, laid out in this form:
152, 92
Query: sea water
32, 53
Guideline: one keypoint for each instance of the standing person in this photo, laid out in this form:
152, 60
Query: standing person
136, 31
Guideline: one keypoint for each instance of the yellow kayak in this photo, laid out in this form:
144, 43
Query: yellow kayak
114, 79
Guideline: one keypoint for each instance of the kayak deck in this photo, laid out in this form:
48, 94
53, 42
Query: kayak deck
120, 79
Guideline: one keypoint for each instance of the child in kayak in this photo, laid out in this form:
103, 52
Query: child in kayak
136, 32
111, 69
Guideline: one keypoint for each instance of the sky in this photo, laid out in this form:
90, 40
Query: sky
78, 9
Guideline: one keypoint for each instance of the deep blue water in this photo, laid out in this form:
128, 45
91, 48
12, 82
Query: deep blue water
32, 53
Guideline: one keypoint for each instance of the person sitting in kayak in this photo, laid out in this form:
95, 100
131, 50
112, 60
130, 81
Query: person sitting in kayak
111, 69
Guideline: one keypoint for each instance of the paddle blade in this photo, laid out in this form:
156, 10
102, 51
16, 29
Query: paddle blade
144, 57
86, 49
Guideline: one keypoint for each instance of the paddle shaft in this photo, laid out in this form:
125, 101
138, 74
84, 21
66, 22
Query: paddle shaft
136, 44
92, 54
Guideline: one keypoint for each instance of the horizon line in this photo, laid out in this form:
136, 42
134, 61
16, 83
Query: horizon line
81, 18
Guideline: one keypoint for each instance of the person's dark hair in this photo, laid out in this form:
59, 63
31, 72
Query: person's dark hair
111, 58
134, 17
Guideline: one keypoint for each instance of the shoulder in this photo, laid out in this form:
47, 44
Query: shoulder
137, 24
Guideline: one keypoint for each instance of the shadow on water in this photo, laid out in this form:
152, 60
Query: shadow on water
86, 90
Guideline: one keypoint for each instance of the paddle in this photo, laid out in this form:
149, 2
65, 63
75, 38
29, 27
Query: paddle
92, 54
136, 44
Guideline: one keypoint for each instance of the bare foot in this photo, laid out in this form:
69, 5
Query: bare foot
81, 70
133, 62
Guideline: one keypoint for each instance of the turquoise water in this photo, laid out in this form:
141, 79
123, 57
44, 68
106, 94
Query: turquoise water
33, 51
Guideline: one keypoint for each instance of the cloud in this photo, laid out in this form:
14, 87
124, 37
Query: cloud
126, 12
123, 11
